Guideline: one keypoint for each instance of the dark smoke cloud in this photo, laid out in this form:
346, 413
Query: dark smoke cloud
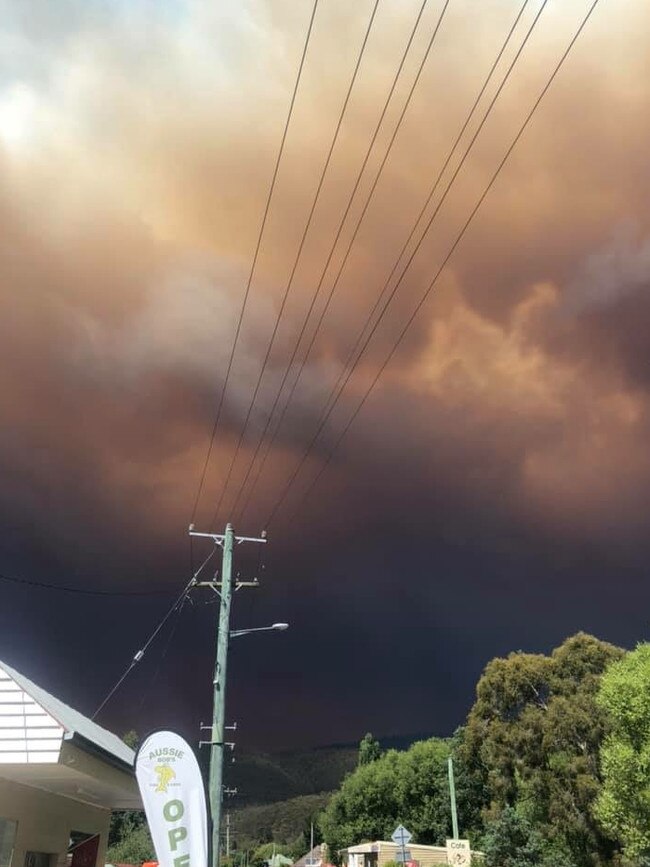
493, 492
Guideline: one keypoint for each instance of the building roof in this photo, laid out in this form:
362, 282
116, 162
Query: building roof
313, 858
73, 722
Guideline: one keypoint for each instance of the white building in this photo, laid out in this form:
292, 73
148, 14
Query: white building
60, 776
379, 852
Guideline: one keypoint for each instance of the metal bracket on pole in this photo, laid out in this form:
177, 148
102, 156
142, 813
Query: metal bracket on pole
211, 584
254, 583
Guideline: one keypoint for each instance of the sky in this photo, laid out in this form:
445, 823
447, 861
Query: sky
491, 495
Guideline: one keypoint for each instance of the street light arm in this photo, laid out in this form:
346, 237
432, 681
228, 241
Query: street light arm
275, 627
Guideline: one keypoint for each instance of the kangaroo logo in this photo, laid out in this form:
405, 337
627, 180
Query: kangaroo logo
165, 776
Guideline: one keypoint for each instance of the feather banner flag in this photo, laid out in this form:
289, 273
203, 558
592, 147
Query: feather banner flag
173, 796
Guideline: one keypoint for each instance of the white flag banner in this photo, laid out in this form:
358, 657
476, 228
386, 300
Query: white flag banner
173, 795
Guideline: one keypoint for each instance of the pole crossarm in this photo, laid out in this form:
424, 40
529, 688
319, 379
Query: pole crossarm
220, 538
214, 584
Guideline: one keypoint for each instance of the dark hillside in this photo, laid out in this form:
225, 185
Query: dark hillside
281, 822
263, 778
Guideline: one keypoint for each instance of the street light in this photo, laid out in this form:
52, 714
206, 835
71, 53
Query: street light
279, 627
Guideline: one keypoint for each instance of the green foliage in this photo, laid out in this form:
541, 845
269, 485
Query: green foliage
131, 739
124, 823
512, 841
369, 750
623, 806
471, 789
527, 768
128, 832
238, 858
133, 847
400, 787
286, 822
533, 738
265, 852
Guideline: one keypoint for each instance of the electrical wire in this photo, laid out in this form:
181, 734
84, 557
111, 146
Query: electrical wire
348, 370
172, 632
140, 653
347, 255
339, 231
434, 187
441, 268
251, 273
85, 591
289, 284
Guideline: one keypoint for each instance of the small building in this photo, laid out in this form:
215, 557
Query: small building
380, 852
316, 857
61, 775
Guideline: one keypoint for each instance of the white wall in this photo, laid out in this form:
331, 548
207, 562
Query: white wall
27, 732
45, 821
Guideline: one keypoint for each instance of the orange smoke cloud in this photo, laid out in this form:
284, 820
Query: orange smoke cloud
136, 157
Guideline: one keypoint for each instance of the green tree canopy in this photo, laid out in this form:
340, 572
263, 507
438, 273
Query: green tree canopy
133, 846
265, 852
400, 787
131, 739
128, 834
534, 735
623, 806
512, 841
369, 750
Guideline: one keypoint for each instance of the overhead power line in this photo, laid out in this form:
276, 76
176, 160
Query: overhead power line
251, 273
289, 284
337, 237
85, 591
431, 285
434, 188
351, 242
138, 656
140, 653
146, 692
349, 369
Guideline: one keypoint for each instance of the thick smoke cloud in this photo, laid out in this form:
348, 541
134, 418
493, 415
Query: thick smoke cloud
501, 463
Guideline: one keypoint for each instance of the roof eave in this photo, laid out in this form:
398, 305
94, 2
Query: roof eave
99, 752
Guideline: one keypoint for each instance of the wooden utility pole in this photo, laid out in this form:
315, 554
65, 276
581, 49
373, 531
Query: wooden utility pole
224, 587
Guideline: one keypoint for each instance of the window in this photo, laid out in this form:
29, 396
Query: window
7, 841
